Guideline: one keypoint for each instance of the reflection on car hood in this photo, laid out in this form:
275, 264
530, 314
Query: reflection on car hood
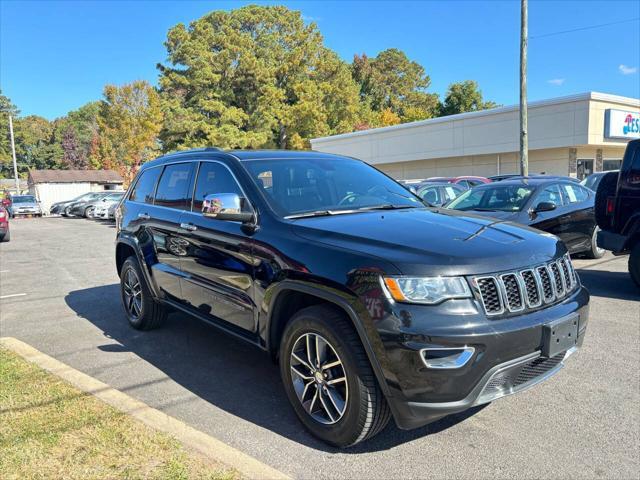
433, 241
499, 215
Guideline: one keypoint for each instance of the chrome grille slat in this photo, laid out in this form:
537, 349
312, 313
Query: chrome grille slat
516, 291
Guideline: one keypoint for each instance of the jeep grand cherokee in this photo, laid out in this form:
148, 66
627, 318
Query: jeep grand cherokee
374, 305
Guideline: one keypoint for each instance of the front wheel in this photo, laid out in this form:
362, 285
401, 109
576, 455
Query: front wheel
143, 311
88, 212
328, 378
595, 251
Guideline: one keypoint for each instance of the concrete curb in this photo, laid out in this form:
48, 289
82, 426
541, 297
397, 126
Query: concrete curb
189, 436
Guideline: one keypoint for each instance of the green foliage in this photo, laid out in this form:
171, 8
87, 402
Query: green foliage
253, 77
464, 97
392, 81
6, 108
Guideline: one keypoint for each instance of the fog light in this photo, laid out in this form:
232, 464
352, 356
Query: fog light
445, 357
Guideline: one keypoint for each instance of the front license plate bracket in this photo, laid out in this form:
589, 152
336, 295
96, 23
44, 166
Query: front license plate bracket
560, 335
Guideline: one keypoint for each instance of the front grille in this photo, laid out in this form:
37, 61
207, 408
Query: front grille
517, 377
529, 288
491, 298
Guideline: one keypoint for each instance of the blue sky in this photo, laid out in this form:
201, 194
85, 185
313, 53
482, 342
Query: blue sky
56, 56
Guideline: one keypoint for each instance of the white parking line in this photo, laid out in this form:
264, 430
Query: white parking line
4, 271
2, 297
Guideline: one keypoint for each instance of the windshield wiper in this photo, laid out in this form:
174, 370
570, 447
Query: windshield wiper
319, 213
387, 206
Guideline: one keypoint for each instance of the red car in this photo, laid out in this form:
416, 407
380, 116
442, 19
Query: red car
5, 235
466, 182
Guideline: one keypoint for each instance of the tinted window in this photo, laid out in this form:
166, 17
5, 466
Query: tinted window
431, 195
213, 178
574, 193
451, 192
464, 184
550, 194
173, 189
143, 191
308, 184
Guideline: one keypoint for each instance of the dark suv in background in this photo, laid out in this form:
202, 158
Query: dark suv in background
618, 210
374, 305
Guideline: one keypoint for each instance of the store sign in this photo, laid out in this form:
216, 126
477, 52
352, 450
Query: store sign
621, 124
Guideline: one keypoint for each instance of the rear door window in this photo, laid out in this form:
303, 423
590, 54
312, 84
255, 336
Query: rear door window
145, 186
574, 193
173, 188
551, 194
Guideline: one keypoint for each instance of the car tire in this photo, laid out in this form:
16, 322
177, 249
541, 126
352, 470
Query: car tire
66, 212
344, 412
142, 310
595, 251
6, 237
87, 212
606, 189
634, 264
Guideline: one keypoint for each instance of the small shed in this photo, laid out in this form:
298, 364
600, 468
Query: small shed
51, 186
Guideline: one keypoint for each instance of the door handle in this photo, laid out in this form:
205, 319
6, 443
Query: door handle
188, 226
144, 216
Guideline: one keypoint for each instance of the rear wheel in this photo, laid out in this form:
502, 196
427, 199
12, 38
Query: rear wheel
328, 378
595, 251
634, 264
143, 312
88, 212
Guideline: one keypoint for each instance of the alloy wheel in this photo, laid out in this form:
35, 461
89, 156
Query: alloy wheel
319, 378
132, 291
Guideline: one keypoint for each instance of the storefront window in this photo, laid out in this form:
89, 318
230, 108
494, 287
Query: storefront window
611, 164
585, 167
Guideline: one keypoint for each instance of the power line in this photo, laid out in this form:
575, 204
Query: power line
585, 28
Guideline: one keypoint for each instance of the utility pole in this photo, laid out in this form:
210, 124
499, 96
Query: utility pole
524, 138
13, 152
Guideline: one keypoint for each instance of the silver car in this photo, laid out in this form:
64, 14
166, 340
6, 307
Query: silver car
24, 205
103, 206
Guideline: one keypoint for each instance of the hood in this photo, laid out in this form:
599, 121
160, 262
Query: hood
498, 215
434, 241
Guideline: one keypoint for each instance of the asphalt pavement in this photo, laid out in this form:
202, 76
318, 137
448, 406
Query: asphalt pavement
59, 293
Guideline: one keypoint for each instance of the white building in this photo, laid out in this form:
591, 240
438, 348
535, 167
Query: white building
574, 135
51, 186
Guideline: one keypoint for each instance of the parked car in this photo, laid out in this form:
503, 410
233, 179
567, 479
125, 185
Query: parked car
374, 305
5, 233
466, 182
557, 206
506, 176
103, 207
618, 210
84, 208
60, 208
437, 194
593, 180
24, 205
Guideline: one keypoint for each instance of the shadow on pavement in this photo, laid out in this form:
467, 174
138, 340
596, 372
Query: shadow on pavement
609, 284
224, 371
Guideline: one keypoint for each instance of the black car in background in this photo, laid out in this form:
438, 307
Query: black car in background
438, 194
63, 208
552, 204
593, 180
374, 305
618, 210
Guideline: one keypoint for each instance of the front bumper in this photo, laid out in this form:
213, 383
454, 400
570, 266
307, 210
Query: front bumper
25, 211
507, 359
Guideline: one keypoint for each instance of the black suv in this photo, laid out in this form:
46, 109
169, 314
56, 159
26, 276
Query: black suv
618, 210
373, 304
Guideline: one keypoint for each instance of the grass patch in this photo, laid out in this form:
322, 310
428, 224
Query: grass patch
49, 429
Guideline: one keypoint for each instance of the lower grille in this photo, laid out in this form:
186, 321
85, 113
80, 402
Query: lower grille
518, 376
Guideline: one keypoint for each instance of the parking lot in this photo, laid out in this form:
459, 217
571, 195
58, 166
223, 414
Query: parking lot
59, 293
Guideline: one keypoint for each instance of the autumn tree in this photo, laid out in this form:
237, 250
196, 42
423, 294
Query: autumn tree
35, 143
253, 77
464, 97
129, 122
73, 157
392, 81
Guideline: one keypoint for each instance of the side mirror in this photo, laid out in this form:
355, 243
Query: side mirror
544, 207
225, 206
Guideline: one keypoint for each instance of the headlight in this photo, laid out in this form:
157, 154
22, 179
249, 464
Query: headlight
428, 290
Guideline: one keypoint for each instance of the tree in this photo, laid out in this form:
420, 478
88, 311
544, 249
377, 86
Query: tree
6, 108
129, 122
464, 97
73, 157
35, 145
392, 81
253, 77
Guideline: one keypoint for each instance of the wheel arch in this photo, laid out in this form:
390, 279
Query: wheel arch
290, 297
126, 247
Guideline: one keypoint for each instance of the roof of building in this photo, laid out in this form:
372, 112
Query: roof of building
604, 97
74, 176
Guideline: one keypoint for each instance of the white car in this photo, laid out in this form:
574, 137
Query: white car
105, 208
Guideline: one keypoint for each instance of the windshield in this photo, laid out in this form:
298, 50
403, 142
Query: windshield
306, 185
591, 181
498, 198
24, 199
